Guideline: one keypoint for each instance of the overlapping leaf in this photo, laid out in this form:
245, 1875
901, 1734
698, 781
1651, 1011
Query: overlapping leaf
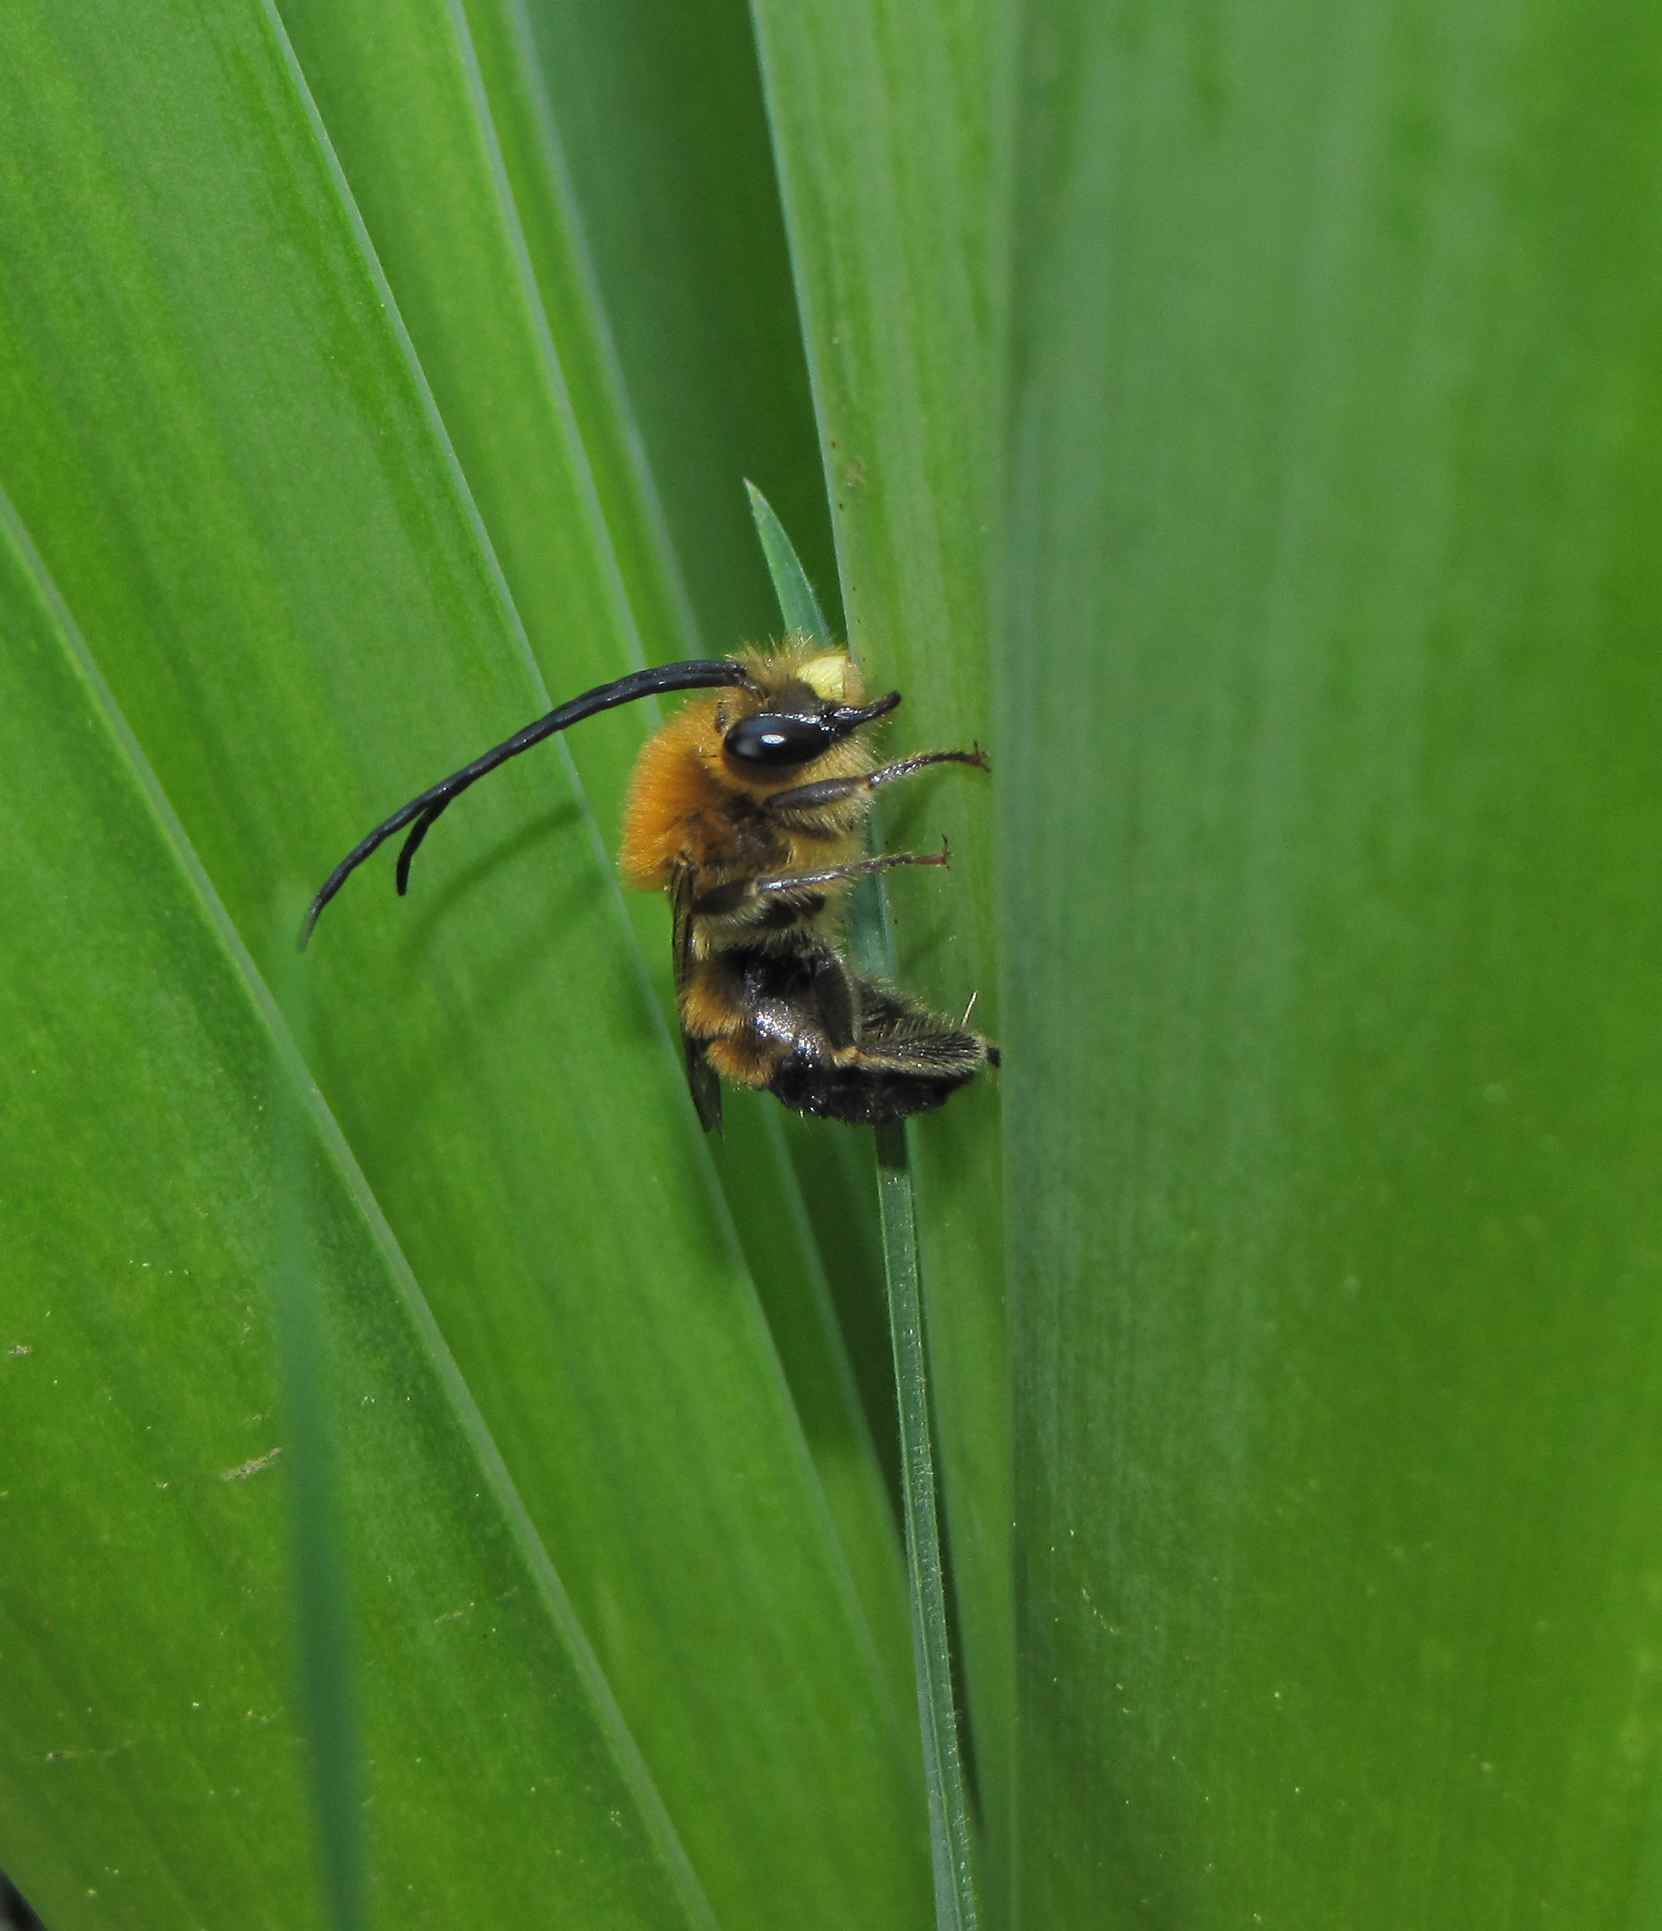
240, 482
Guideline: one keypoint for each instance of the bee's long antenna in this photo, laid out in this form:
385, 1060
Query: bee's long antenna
423, 812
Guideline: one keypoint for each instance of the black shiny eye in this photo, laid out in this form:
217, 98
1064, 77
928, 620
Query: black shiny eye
774, 738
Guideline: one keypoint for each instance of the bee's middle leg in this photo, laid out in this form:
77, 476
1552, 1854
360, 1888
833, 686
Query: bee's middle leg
731, 899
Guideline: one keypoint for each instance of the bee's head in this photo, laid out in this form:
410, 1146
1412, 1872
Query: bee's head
801, 716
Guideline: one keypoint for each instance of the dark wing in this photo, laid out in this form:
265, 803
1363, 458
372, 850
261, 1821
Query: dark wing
701, 1076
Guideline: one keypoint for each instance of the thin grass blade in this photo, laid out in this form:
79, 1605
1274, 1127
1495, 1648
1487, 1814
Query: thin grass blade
799, 607
949, 1818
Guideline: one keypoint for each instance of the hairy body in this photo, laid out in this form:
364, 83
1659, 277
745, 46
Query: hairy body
747, 809
758, 861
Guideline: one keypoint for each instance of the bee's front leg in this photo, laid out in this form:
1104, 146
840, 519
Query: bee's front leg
831, 791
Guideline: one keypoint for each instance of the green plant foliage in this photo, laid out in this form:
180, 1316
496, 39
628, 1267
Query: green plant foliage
951, 1833
437, 1484
659, 115
247, 501
485, 257
158, 1769
1334, 1071
891, 125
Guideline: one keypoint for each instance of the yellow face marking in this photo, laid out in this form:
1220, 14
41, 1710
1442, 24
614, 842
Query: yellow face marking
827, 676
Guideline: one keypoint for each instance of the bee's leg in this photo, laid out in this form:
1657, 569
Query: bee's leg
788, 882
725, 901
833, 994
830, 791
905, 1061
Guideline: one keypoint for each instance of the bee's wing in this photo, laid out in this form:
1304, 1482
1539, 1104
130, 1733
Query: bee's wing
701, 1076
705, 1086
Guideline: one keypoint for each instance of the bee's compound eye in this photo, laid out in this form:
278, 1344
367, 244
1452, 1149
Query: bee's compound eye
774, 738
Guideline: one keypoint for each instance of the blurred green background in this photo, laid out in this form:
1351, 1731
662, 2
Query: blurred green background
434, 1482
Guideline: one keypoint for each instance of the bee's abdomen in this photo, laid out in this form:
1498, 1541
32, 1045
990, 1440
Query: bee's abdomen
760, 1013
862, 1094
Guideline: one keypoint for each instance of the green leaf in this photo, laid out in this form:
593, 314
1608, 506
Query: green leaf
890, 126
799, 607
477, 229
659, 117
239, 480
157, 1769
322, 1587
1245, 424
1332, 813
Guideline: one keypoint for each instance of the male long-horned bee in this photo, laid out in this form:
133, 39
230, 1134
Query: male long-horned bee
746, 808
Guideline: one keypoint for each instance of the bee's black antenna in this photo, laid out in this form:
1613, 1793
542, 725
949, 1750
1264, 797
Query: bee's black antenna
701, 674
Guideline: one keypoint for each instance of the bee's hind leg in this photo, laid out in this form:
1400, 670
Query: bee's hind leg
905, 1060
834, 1000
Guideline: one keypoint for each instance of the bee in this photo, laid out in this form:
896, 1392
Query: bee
746, 809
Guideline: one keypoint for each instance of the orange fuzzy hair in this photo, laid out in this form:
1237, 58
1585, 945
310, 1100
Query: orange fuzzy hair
683, 780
